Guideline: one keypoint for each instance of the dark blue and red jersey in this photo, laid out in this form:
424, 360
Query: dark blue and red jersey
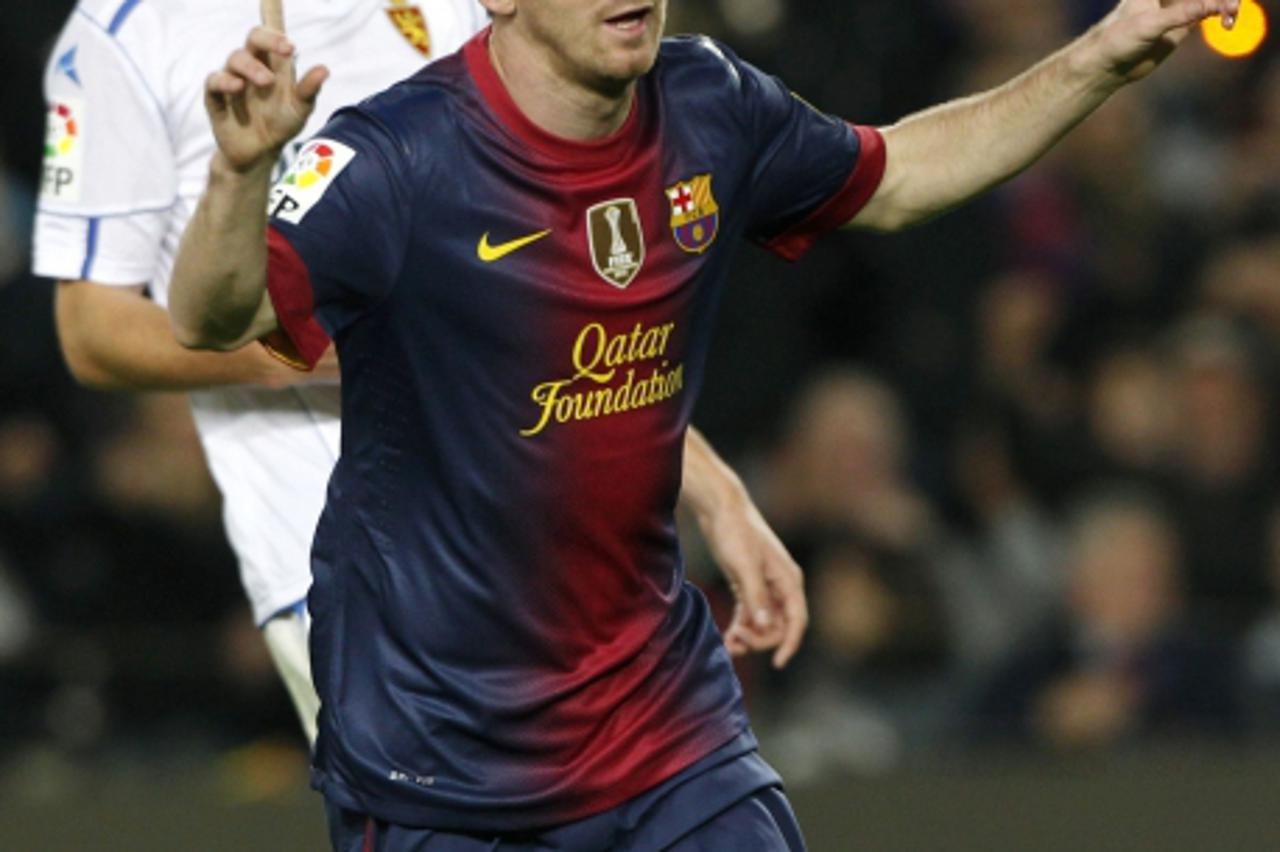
503, 635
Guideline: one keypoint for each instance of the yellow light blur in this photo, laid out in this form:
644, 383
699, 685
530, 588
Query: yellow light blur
1241, 40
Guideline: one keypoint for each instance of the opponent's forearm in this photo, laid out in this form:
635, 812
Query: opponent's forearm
218, 297
115, 339
709, 484
942, 157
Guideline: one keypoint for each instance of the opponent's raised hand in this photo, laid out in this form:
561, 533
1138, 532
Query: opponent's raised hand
1140, 34
256, 102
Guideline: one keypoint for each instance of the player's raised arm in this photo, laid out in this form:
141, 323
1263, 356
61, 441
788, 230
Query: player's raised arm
256, 104
943, 156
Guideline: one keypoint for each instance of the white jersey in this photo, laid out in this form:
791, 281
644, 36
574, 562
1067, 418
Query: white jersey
126, 159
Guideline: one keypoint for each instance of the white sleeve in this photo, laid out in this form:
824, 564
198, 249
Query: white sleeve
109, 176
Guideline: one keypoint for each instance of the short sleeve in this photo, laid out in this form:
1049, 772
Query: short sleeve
109, 173
812, 172
338, 232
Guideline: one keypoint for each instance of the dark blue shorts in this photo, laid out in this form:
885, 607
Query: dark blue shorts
734, 806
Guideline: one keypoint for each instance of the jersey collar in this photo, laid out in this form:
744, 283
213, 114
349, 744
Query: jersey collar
615, 149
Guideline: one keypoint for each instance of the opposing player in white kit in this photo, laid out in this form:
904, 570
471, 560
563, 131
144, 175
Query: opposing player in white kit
126, 158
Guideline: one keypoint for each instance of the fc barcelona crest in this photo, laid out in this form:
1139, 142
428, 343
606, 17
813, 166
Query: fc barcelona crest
616, 241
412, 24
695, 216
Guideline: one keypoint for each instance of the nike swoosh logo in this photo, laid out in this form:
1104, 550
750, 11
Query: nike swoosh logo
489, 253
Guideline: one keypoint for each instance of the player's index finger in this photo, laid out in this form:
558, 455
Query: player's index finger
273, 14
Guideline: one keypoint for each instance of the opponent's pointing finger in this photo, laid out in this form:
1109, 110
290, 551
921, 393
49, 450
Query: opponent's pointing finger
266, 40
273, 14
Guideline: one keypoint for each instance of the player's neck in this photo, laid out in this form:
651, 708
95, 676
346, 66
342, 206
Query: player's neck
550, 98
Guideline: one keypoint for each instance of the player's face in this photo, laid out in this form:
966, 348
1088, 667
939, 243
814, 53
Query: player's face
603, 44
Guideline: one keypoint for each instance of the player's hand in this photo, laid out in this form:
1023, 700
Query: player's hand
1140, 34
255, 102
768, 586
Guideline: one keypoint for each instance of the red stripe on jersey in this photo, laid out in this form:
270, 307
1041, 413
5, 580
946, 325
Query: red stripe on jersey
863, 182
289, 285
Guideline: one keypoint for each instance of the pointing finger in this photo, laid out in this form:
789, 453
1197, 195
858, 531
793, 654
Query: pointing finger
273, 14
266, 40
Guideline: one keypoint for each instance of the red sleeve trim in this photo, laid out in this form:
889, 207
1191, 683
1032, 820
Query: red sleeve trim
301, 341
863, 182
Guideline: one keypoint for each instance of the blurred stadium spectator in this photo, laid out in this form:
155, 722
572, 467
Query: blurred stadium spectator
1223, 476
1121, 659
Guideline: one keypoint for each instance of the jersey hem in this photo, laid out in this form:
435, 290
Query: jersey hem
101, 271
106, 211
267, 608
297, 607
481, 818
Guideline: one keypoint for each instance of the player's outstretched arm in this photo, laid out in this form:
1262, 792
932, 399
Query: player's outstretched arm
115, 338
256, 104
771, 612
944, 156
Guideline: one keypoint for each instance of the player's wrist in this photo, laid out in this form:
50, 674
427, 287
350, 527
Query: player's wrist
1092, 64
1088, 66
221, 167
720, 495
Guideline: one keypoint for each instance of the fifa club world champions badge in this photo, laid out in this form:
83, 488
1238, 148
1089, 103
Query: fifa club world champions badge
412, 24
616, 240
695, 216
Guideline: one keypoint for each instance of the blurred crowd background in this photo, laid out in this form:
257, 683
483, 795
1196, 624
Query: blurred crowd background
1026, 453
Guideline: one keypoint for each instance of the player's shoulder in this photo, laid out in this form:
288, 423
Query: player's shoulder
699, 76
687, 58
133, 33
163, 27
413, 111
122, 18
107, 43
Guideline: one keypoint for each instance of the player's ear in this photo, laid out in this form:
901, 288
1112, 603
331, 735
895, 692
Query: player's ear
499, 8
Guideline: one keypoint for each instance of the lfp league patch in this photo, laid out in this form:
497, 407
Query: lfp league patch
63, 150
305, 183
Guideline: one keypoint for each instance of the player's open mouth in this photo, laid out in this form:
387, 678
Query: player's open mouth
630, 21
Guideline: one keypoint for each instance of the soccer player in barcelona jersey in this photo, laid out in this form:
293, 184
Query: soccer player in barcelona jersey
125, 164
519, 252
